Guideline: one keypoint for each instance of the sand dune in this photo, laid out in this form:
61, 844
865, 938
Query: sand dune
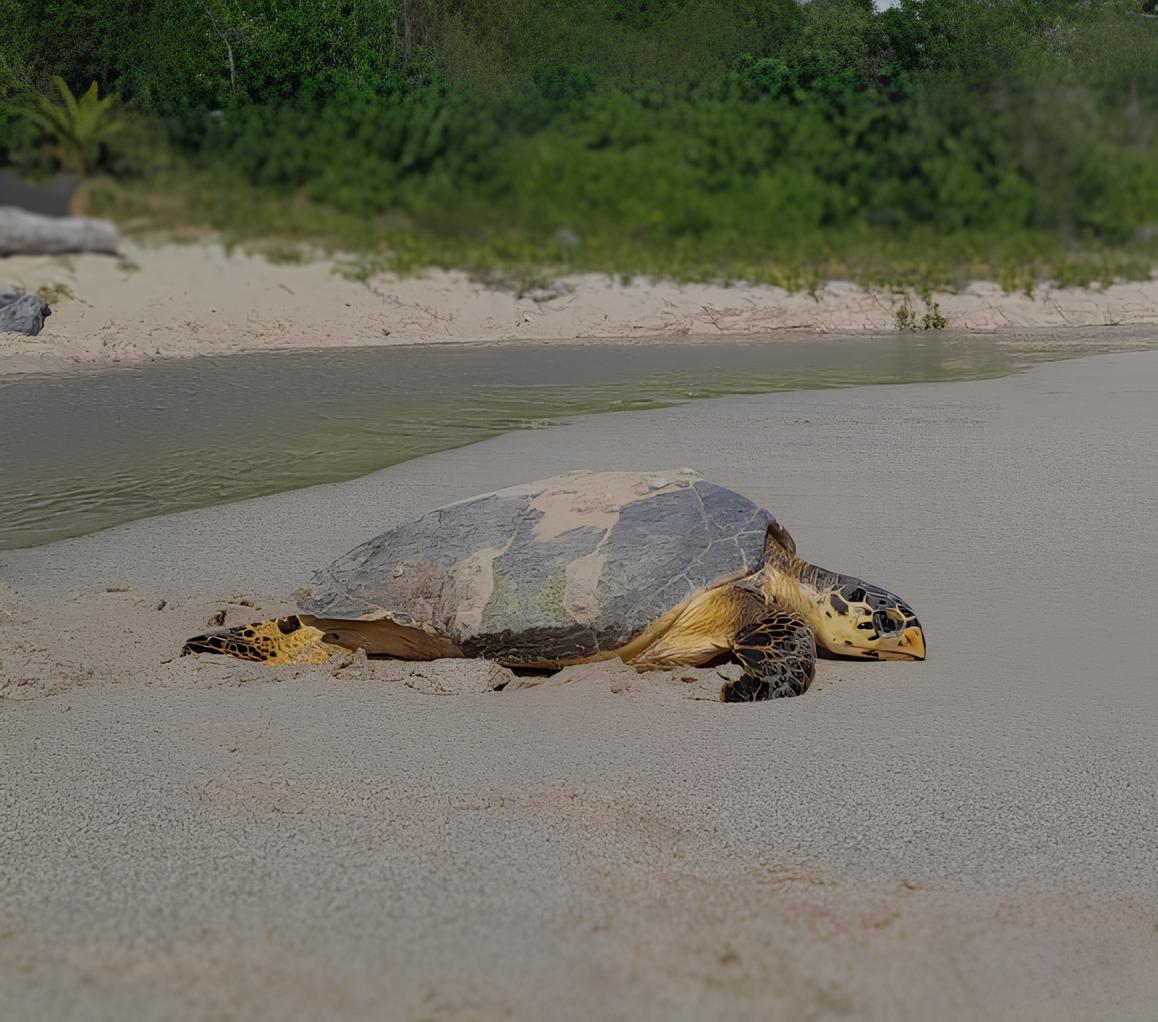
972, 837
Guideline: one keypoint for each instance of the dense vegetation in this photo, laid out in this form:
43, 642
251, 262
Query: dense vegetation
734, 137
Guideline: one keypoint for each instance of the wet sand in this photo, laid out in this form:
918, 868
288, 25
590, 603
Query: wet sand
971, 837
173, 301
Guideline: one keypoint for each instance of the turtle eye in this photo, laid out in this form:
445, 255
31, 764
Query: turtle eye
888, 622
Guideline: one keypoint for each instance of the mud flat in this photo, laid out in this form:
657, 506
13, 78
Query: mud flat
971, 837
168, 301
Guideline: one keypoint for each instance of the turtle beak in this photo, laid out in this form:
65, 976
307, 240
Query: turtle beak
909, 645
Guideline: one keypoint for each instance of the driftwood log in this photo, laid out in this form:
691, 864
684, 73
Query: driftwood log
20, 312
24, 233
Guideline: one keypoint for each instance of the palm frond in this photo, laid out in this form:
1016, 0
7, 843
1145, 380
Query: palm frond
76, 127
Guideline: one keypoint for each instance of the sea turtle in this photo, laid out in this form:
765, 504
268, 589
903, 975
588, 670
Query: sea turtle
659, 569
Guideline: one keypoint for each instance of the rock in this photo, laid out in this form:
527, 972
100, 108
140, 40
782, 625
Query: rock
614, 674
701, 683
456, 677
21, 313
539, 293
450, 677
24, 233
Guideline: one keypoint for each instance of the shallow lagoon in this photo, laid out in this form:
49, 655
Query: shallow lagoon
91, 450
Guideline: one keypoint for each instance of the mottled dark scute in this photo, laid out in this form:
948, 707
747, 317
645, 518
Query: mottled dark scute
408, 567
504, 575
672, 545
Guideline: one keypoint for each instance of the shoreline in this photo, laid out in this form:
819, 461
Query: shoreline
183, 300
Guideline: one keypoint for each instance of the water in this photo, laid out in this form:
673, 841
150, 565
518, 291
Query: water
83, 452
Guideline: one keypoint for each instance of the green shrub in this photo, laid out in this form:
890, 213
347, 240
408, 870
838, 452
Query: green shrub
751, 128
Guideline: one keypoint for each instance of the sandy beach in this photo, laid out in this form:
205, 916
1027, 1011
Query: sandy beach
167, 300
972, 837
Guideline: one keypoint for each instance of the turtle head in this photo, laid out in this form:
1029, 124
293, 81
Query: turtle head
855, 619
849, 617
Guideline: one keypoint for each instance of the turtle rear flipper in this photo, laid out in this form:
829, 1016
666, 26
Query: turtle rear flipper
305, 639
287, 640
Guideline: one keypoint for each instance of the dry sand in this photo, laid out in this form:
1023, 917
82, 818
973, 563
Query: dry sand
969, 838
168, 301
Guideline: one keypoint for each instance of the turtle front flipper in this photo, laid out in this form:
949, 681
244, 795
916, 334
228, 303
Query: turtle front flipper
287, 640
778, 654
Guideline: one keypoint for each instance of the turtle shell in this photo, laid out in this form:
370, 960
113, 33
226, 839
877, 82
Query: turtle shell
552, 571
